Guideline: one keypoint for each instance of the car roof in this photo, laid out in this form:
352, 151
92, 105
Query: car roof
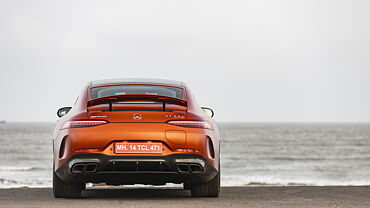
135, 81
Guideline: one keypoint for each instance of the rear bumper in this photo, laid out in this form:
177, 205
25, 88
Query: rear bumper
119, 170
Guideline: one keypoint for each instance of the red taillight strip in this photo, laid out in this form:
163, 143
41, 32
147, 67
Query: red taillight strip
191, 124
187, 150
82, 123
86, 150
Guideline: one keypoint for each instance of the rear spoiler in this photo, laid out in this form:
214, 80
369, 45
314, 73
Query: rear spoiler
137, 97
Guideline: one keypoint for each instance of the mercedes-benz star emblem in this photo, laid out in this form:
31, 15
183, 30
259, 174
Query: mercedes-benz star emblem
137, 116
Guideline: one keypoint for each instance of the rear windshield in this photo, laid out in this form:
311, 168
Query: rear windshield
136, 89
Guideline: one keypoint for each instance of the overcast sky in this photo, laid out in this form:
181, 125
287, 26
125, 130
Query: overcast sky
252, 61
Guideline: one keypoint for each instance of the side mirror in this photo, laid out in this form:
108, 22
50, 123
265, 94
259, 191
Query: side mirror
63, 111
208, 111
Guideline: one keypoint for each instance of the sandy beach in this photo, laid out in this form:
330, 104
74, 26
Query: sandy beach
293, 196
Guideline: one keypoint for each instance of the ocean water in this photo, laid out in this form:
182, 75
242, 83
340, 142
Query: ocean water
251, 154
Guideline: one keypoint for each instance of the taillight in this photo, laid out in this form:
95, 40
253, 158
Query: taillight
192, 124
187, 150
86, 150
82, 123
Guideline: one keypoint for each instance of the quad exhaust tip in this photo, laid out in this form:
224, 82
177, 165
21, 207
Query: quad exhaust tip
91, 168
183, 168
78, 168
84, 168
196, 168
189, 168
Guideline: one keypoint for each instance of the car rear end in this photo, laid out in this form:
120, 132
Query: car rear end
139, 134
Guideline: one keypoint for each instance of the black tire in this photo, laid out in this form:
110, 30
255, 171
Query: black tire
63, 189
209, 189
187, 186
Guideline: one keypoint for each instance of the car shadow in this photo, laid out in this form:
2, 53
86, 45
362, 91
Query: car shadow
137, 193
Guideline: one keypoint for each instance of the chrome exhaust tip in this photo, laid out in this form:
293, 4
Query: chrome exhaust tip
183, 168
78, 168
91, 168
196, 168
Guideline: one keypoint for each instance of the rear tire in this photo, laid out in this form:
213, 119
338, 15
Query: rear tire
187, 186
63, 189
208, 189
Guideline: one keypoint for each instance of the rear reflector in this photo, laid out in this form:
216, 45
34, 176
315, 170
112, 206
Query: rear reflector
187, 150
82, 123
86, 150
192, 124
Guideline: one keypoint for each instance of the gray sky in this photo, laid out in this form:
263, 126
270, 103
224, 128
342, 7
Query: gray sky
253, 61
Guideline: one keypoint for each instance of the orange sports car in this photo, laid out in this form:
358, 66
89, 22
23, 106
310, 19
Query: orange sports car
136, 131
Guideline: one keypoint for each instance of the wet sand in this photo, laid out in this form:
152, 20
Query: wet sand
293, 196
